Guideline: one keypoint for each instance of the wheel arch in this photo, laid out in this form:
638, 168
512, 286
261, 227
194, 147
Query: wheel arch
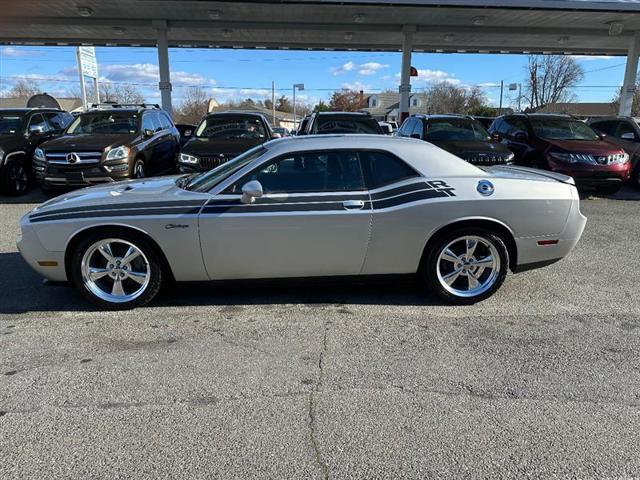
18, 153
83, 233
496, 226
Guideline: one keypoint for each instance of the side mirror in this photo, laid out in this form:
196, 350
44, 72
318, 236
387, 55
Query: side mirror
496, 137
148, 133
628, 136
250, 191
36, 130
277, 135
187, 133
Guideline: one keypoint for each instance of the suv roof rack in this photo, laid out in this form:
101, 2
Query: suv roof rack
108, 105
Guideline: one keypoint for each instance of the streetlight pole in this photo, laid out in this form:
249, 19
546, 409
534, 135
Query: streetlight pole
300, 87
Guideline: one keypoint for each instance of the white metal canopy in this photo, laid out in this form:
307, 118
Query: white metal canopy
602, 27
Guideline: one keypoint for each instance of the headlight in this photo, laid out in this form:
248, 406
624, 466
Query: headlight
39, 154
184, 158
118, 153
1, 155
574, 157
509, 158
619, 158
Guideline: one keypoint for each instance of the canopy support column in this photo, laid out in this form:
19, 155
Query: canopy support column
405, 73
163, 65
630, 74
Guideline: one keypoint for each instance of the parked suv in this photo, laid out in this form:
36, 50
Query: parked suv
221, 137
566, 145
109, 143
624, 132
341, 122
21, 131
461, 135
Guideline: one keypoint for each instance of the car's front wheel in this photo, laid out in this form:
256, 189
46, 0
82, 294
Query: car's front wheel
15, 177
466, 266
116, 271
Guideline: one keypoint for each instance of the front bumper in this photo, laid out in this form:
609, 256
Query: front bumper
80, 175
593, 175
48, 264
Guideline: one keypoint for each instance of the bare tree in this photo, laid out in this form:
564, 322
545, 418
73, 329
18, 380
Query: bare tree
24, 88
550, 79
120, 93
193, 107
443, 97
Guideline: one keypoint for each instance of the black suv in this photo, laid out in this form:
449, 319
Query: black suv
109, 143
460, 135
221, 137
341, 122
21, 131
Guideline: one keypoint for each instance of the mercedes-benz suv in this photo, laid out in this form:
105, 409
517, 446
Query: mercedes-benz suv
109, 143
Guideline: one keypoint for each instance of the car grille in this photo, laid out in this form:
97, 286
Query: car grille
485, 158
209, 163
73, 158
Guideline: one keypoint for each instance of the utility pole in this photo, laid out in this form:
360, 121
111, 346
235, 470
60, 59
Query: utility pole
273, 101
501, 92
299, 86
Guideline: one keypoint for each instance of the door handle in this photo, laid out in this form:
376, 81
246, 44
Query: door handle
353, 204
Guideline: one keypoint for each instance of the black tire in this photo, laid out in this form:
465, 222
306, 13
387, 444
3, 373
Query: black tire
635, 178
15, 178
153, 261
609, 189
139, 169
430, 272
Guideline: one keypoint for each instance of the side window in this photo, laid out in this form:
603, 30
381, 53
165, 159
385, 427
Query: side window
517, 125
606, 127
418, 129
319, 171
503, 127
157, 122
37, 122
382, 168
58, 121
407, 127
147, 122
165, 120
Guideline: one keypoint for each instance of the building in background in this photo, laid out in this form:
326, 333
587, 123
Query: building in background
582, 110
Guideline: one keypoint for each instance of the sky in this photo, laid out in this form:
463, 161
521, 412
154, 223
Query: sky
238, 74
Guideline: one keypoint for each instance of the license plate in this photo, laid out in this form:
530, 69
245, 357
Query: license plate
75, 177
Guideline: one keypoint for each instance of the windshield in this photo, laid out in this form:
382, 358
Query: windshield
105, 122
203, 182
10, 123
347, 125
228, 128
456, 129
562, 129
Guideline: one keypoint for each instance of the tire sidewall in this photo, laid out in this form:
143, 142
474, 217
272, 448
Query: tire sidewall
155, 265
6, 168
430, 266
144, 169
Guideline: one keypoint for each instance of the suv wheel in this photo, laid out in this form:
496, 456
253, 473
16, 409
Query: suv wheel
116, 271
138, 169
466, 266
15, 178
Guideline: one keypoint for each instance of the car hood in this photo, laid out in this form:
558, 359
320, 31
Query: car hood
596, 147
87, 141
214, 146
479, 146
130, 194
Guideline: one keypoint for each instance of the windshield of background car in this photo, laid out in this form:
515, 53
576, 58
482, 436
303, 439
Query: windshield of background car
455, 129
105, 123
347, 125
562, 129
204, 182
10, 123
228, 128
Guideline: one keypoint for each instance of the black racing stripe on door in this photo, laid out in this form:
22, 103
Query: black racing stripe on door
408, 198
399, 190
123, 206
277, 208
119, 213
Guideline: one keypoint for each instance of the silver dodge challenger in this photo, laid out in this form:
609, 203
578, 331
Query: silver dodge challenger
346, 205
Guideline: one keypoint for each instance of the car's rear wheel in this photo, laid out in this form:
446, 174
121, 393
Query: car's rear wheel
117, 271
15, 177
467, 265
139, 169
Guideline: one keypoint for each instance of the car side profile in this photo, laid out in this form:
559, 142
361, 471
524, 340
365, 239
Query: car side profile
313, 206
566, 145
108, 143
21, 132
624, 132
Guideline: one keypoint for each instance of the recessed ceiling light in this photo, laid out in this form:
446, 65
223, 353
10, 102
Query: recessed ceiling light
118, 30
226, 33
563, 40
348, 36
359, 17
479, 20
449, 37
214, 14
615, 28
84, 11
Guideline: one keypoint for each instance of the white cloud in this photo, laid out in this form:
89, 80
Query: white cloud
149, 73
433, 76
371, 68
17, 52
344, 68
357, 86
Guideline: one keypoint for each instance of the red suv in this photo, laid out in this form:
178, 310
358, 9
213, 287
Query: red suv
566, 145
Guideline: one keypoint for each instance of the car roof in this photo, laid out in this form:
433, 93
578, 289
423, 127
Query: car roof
443, 115
235, 113
345, 114
423, 156
27, 110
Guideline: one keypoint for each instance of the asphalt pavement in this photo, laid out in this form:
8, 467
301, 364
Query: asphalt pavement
330, 380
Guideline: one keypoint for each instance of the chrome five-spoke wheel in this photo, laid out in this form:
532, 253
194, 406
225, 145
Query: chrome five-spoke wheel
115, 270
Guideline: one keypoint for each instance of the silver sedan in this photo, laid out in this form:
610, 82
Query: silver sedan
312, 206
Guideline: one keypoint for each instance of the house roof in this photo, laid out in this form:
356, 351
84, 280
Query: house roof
584, 109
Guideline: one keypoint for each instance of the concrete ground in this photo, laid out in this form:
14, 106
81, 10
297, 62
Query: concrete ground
339, 381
